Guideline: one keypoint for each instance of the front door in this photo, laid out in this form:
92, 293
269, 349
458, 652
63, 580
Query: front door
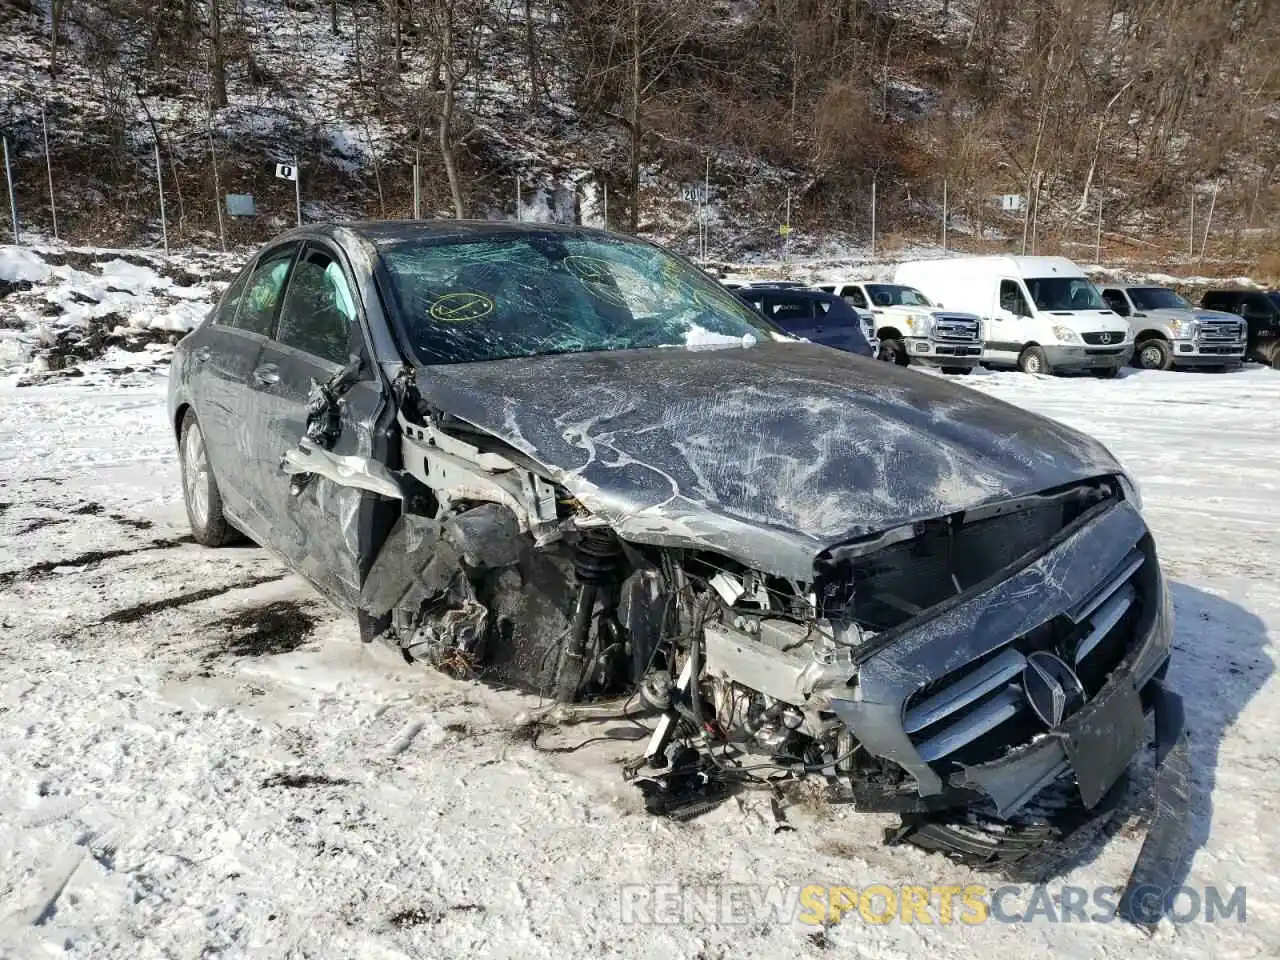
325, 529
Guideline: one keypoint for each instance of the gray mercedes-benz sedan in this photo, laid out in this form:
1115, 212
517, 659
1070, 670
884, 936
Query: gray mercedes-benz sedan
569, 461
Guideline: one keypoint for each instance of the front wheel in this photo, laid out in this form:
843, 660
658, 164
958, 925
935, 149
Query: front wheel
1154, 355
1033, 360
895, 351
200, 491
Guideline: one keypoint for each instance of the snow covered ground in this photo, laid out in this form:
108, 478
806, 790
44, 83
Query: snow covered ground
198, 758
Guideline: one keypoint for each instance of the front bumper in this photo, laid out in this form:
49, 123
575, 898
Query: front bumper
1197, 353
987, 626
943, 353
1088, 357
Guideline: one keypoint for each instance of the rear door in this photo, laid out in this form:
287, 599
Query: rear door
325, 529
224, 353
838, 325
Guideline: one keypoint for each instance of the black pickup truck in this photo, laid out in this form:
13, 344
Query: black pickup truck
1261, 311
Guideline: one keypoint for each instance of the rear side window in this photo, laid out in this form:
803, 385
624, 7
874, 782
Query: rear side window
262, 295
231, 300
1012, 300
1116, 301
1257, 305
1219, 301
319, 311
788, 311
855, 298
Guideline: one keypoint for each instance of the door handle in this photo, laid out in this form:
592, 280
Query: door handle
266, 374
202, 354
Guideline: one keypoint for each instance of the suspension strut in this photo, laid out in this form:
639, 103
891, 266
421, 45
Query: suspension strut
595, 566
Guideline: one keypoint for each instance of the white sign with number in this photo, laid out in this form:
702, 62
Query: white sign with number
286, 172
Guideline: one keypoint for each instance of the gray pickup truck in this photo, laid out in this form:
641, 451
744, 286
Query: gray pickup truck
1169, 332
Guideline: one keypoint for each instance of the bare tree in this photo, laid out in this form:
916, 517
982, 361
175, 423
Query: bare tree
217, 56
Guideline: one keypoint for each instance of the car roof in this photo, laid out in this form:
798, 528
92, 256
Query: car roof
1135, 286
397, 231
790, 291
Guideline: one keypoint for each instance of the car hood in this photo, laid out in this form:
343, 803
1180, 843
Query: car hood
1194, 313
771, 453
929, 312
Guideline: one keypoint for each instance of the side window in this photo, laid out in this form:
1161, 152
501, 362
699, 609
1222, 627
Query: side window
319, 310
262, 295
788, 311
1116, 301
855, 298
1012, 300
230, 300
1256, 307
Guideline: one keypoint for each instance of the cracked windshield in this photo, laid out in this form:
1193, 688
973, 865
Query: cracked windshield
532, 294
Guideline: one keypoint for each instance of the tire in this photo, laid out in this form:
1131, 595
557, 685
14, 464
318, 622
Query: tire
1106, 373
957, 371
1031, 848
1033, 360
199, 490
895, 351
1153, 354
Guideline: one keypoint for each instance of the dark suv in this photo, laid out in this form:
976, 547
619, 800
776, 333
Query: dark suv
819, 317
1261, 311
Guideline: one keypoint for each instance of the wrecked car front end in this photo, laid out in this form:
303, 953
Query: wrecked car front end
796, 563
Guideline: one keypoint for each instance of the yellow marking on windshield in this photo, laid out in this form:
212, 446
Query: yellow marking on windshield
461, 307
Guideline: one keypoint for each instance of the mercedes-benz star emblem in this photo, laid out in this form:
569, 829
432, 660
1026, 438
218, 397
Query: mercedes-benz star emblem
1105, 338
1052, 688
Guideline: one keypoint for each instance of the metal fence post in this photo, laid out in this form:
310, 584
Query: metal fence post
48, 166
13, 203
164, 225
297, 188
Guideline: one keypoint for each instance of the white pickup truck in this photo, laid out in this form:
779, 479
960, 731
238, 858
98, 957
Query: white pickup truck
913, 330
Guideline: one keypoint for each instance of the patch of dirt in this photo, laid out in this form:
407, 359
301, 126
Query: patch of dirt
296, 781
141, 610
40, 523
418, 916
10, 286
278, 627
87, 509
39, 571
132, 522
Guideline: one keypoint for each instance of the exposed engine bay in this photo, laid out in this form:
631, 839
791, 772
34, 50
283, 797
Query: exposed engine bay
746, 677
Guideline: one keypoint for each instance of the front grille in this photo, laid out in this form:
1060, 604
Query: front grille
979, 712
1103, 338
956, 329
950, 351
1224, 330
1104, 351
1226, 351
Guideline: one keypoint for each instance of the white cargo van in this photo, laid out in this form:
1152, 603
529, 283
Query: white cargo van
1040, 314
